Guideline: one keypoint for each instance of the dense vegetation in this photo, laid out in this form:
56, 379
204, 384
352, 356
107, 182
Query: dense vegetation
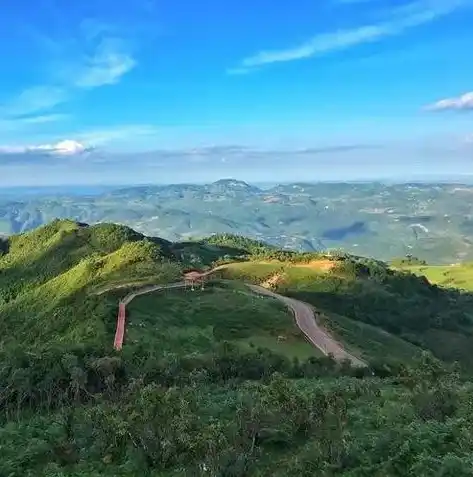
203, 386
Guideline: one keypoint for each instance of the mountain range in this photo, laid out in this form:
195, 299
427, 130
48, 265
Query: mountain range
433, 222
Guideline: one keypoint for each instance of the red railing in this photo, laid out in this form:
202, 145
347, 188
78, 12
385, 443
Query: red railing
120, 332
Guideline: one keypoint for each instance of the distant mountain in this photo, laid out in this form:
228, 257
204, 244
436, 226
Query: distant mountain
431, 221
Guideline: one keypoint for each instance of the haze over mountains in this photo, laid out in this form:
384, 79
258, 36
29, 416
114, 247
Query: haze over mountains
431, 221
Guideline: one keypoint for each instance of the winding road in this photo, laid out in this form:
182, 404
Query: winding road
304, 316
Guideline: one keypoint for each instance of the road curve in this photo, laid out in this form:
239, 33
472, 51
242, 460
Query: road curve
307, 323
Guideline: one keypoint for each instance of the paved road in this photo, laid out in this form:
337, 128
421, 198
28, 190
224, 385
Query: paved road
307, 323
303, 313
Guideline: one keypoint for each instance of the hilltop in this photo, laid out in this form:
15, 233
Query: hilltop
204, 385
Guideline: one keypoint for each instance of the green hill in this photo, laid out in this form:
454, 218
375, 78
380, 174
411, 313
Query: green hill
46, 273
203, 385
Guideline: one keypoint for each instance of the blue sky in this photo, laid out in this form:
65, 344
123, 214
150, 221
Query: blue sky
171, 91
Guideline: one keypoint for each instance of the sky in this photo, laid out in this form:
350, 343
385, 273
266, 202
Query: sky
159, 91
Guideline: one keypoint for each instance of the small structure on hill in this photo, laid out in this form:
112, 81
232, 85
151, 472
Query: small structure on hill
193, 278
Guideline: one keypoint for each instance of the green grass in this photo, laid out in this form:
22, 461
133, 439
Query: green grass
185, 321
301, 277
292, 347
453, 276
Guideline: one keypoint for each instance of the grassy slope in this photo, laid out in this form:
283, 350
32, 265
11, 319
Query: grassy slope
363, 340
49, 278
45, 275
370, 343
455, 276
185, 321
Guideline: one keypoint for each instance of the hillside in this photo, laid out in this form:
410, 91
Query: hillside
363, 297
203, 385
45, 273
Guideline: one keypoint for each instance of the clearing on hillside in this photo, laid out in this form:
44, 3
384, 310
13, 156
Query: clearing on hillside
324, 265
263, 271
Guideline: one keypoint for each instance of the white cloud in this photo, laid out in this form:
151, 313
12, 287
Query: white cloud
463, 102
401, 19
63, 148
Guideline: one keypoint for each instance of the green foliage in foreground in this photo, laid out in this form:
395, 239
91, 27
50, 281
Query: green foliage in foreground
211, 420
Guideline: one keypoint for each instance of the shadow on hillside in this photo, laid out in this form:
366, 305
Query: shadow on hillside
4, 246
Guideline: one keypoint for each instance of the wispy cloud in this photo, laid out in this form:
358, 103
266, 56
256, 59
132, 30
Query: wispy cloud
105, 69
401, 19
34, 100
460, 103
45, 118
100, 57
107, 63
102, 137
62, 148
